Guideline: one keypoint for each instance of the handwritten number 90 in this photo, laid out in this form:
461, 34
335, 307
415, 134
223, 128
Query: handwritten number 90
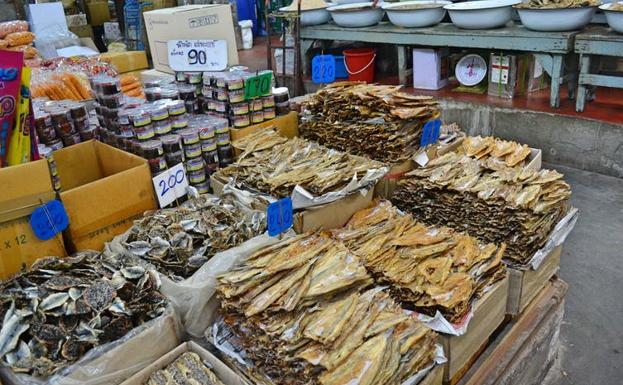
197, 57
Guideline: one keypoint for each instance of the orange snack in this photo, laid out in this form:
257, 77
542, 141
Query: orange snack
29, 51
128, 79
3, 44
129, 87
12, 26
20, 38
84, 92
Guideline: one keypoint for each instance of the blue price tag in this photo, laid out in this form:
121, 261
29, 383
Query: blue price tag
323, 69
279, 216
48, 220
431, 132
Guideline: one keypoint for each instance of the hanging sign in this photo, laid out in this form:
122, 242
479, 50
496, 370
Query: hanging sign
49, 219
197, 55
279, 216
170, 184
260, 85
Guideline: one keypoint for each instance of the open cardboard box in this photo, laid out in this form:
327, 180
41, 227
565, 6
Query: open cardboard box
323, 217
285, 125
222, 371
104, 190
24, 188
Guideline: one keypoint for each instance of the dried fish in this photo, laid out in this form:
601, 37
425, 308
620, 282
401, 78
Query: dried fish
553, 4
513, 205
277, 170
188, 368
78, 309
304, 314
377, 122
178, 241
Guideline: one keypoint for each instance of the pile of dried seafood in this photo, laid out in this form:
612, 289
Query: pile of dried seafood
549, 4
188, 368
275, 165
378, 122
427, 269
495, 153
178, 241
62, 308
302, 314
517, 206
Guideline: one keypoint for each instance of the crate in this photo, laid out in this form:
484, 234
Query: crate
525, 284
462, 351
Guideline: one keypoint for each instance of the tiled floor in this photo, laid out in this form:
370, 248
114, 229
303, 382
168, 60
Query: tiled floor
607, 107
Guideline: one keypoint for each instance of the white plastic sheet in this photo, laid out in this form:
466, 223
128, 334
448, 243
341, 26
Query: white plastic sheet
558, 236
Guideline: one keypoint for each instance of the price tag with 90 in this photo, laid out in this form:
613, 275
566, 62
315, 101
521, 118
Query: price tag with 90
197, 55
259, 85
170, 184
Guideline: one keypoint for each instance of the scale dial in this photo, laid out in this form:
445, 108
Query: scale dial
471, 70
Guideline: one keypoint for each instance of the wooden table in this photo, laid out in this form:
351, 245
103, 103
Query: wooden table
550, 48
597, 41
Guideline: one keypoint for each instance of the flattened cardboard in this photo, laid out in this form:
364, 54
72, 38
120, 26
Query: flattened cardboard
434, 377
222, 371
461, 351
524, 285
24, 188
104, 190
324, 217
201, 21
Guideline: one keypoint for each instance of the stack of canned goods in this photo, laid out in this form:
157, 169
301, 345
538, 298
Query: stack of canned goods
46, 153
63, 123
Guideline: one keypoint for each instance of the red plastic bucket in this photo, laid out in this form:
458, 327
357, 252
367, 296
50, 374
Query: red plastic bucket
359, 63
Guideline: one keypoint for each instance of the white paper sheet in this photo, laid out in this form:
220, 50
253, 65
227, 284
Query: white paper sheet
558, 236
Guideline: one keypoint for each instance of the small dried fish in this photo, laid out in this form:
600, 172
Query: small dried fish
554, 4
78, 309
188, 368
377, 122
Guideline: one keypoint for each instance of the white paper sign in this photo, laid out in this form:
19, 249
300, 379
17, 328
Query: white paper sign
500, 69
197, 55
170, 185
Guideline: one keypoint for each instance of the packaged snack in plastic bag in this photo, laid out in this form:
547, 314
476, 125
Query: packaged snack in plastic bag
12, 26
19, 38
29, 51
3, 44
11, 68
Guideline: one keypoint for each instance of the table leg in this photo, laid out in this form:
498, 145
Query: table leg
585, 63
554, 99
571, 74
402, 64
305, 64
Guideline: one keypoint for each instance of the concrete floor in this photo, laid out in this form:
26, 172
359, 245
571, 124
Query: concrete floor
592, 264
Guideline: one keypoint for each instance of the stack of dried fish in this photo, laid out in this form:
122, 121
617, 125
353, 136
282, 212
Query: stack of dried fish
495, 153
302, 314
178, 241
275, 165
62, 308
518, 206
377, 122
556, 4
186, 369
428, 269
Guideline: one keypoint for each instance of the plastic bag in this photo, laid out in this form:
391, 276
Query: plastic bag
113, 362
19, 38
29, 51
12, 26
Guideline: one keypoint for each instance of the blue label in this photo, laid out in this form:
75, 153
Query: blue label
323, 69
431, 132
279, 216
48, 220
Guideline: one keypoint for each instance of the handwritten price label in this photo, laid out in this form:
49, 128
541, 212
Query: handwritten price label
259, 85
170, 184
279, 216
197, 55
48, 220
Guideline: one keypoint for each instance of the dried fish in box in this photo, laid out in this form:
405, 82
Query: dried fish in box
178, 241
518, 206
495, 153
374, 121
427, 269
557, 4
188, 368
275, 165
60, 309
304, 314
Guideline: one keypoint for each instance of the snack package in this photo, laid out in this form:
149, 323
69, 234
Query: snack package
19, 146
19, 38
29, 51
10, 79
9, 27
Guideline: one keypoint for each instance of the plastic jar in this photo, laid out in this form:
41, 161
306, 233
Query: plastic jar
171, 143
269, 113
192, 150
194, 164
197, 176
225, 155
241, 121
257, 117
223, 136
240, 108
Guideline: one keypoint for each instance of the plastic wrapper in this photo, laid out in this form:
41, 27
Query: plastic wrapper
60, 85
13, 26
3, 44
29, 51
19, 38
113, 362
53, 39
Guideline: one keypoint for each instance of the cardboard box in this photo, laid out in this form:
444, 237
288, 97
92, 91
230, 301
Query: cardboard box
82, 30
209, 21
152, 74
324, 217
126, 61
24, 188
222, 371
98, 12
430, 68
434, 377
525, 284
462, 351
104, 190
285, 125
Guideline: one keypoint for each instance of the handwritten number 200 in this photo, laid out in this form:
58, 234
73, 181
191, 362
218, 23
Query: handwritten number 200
171, 182
197, 57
